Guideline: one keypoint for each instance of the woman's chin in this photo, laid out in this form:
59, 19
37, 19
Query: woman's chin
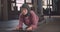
24, 14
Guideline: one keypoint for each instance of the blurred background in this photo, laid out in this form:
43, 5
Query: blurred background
47, 10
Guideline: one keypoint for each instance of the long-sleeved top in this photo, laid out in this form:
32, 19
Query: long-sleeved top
31, 20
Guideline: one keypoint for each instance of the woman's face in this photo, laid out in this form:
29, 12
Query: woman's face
24, 11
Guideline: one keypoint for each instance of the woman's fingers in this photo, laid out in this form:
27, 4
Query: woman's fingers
30, 28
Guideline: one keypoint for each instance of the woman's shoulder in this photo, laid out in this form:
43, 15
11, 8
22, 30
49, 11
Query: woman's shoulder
20, 15
32, 12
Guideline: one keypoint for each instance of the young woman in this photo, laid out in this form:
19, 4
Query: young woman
27, 17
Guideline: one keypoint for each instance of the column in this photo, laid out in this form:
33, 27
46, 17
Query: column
35, 5
0, 9
5, 10
54, 5
40, 8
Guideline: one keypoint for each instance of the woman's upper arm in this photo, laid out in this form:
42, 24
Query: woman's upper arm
34, 18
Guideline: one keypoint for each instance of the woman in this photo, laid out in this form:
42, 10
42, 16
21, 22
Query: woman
27, 17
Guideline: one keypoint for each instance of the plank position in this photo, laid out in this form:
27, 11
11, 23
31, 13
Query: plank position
28, 17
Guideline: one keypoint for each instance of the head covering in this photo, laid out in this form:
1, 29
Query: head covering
27, 7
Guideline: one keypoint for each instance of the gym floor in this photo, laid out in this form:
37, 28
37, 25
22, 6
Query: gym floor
51, 25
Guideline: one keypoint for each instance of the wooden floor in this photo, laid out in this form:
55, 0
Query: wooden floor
51, 25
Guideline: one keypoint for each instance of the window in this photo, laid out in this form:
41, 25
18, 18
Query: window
12, 0
19, 3
29, 2
47, 3
12, 5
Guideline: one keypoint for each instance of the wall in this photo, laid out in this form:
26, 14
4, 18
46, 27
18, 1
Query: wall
0, 9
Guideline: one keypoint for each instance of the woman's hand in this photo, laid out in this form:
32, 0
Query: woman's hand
17, 28
29, 29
